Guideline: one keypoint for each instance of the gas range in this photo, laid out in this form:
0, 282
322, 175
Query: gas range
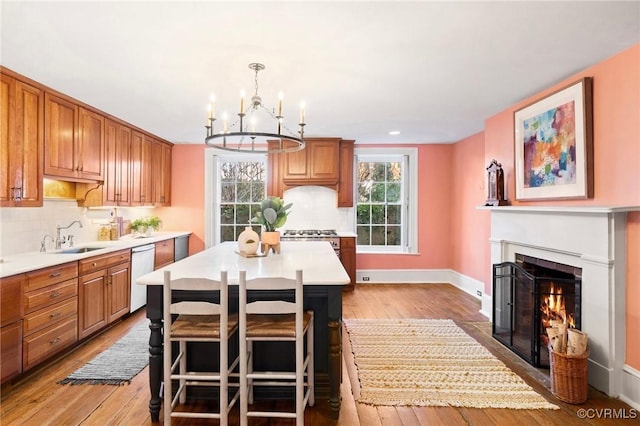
313, 235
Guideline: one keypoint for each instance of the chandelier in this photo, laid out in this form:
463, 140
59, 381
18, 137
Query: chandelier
241, 135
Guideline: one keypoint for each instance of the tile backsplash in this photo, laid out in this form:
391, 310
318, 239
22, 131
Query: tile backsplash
314, 207
23, 228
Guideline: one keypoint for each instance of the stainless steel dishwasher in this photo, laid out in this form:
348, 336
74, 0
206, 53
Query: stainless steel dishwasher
181, 247
142, 260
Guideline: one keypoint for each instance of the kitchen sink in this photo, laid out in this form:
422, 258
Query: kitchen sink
78, 250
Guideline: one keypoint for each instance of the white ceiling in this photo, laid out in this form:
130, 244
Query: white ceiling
432, 70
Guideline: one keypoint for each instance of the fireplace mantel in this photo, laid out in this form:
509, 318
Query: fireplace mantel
591, 238
598, 210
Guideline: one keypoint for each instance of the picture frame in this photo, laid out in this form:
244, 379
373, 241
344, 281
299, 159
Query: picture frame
553, 140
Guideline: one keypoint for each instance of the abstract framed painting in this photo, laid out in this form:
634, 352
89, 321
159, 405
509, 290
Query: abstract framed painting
554, 145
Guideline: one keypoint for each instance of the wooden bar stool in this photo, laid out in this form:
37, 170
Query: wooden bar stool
197, 321
271, 321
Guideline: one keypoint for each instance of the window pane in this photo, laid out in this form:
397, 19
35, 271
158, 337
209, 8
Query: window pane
378, 235
393, 235
364, 214
227, 213
364, 237
378, 172
364, 171
393, 214
257, 191
364, 192
394, 172
244, 192
242, 214
227, 192
393, 192
377, 193
378, 214
226, 233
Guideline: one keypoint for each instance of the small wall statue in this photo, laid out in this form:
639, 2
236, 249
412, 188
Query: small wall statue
495, 185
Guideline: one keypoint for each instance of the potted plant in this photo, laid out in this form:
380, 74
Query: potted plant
154, 222
138, 226
271, 215
145, 225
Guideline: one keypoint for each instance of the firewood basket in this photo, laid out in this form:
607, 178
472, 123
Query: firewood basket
569, 376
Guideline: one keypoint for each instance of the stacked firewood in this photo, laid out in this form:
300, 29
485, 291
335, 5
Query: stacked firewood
565, 340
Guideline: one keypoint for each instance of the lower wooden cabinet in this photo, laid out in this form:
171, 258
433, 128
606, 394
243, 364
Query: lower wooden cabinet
11, 350
41, 345
50, 303
348, 259
165, 252
104, 291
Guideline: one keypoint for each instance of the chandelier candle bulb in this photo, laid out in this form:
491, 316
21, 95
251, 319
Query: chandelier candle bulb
242, 93
280, 97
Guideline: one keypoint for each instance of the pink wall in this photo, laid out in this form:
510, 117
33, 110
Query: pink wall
469, 226
434, 220
187, 194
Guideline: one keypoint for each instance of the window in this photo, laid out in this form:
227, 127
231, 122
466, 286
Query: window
385, 216
234, 188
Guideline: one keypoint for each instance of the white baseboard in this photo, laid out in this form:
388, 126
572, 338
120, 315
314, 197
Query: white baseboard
426, 276
631, 386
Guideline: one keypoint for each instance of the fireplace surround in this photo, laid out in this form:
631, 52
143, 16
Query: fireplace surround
590, 238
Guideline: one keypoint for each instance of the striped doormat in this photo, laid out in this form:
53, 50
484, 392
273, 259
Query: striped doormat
119, 363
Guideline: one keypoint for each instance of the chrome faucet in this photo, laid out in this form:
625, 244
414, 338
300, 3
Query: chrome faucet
60, 241
43, 248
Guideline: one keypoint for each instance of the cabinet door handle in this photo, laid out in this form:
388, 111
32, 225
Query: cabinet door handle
55, 274
54, 294
55, 314
94, 264
54, 341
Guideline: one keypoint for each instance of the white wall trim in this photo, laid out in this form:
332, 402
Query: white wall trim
630, 386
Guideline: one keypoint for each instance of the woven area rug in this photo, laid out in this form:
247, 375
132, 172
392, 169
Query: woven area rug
424, 362
119, 363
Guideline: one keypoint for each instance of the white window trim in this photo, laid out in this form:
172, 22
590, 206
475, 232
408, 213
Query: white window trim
212, 187
411, 197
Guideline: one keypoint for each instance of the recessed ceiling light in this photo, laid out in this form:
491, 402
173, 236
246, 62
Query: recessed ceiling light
394, 132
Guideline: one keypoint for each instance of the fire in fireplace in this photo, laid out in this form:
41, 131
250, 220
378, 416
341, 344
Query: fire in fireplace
528, 296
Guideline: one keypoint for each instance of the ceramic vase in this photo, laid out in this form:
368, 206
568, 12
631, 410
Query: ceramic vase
248, 241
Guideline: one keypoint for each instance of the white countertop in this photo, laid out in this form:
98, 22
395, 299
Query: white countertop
317, 259
27, 262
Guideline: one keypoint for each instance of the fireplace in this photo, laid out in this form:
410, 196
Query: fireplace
528, 295
589, 238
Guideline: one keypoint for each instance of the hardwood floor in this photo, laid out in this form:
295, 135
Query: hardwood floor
37, 399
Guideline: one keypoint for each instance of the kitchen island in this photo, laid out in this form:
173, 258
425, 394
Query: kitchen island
324, 277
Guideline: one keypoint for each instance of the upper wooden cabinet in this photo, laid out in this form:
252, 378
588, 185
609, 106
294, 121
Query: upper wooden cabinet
117, 182
74, 141
345, 183
141, 189
161, 159
21, 143
324, 161
318, 163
